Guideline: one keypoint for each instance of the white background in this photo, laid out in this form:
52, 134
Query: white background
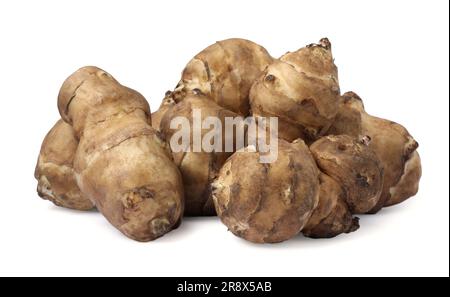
394, 54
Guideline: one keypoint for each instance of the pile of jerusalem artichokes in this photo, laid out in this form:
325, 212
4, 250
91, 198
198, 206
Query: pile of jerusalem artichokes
334, 160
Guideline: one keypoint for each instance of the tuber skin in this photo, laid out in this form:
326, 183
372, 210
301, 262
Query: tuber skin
158, 115
197, 168
301, 89
121, 163
267, 203
332, 216
224, 72
394, 146
54, 169
355, 166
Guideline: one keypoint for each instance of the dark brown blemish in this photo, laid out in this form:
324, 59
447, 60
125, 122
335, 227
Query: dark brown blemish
270, 78
361, 181
342, 147
235, 189
208, 71
365, 140
325, 43
310, 133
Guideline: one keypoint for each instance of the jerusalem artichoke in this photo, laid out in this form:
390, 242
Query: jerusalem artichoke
301, 89
224, 72
121, 164
198, 168
267, 203
54, 169
392, 143
354, 166
332, 216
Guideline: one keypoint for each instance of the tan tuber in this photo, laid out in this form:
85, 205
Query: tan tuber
54, 169
198, 168
224, 72
273, 202
121, 164
391, 142
267, 203
354, 166
331, 216
302, 90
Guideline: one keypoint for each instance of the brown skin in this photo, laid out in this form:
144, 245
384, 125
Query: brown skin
302, 90
166, 104
267, 203
197, 168
331, 216
392, 143
54, 169
355, 166
408, 185
121, 163
225, 72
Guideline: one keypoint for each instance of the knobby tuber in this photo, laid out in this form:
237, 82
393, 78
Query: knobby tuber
354, 166
121, 163
198, 168
392, 143
224, 72
301, 89
54, 169
158, 115
267, 203
332, 216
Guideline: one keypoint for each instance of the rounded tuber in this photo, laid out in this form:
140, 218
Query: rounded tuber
224, 72
198, 168
301, 89
391, 142
267, 203
121, 164
54, 169
332, 216
354, 166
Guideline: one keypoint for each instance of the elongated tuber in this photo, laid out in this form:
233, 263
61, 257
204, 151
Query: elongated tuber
354, 166
302, 90
267, 203
198, 168
54, 169
121, 164
224, 72
392, 143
